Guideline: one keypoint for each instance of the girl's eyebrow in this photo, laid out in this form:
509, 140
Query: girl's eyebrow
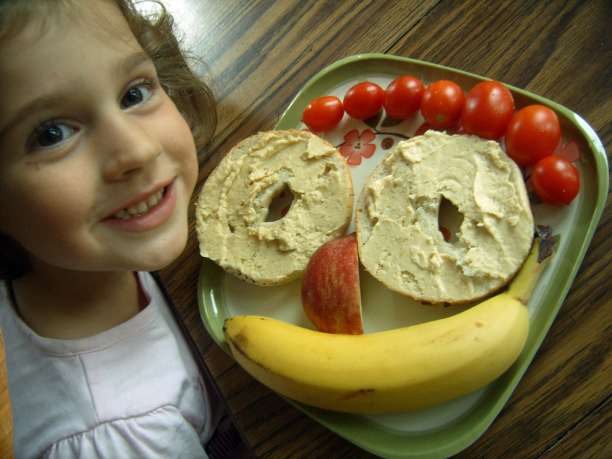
126, 64
37, 105
45, 102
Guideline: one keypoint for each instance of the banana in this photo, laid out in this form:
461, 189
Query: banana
396, 370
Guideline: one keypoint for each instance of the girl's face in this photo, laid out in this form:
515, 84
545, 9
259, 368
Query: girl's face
96, 164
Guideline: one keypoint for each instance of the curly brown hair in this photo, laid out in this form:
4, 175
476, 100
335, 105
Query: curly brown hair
156, 34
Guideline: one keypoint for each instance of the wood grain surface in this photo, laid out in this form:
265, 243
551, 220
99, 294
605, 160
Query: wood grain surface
260, 53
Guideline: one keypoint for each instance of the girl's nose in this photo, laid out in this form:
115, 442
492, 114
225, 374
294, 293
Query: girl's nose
128, 146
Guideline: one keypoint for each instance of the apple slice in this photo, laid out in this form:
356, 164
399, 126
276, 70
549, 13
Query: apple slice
331, 296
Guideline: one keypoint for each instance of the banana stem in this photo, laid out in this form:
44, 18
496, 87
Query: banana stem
525, 281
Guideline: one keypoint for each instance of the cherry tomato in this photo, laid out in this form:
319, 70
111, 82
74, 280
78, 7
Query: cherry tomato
403, 97
489, 106
533, 132
323, 113
555, 180
364, 100
442, 104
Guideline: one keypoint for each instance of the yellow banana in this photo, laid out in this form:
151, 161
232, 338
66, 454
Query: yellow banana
396, 370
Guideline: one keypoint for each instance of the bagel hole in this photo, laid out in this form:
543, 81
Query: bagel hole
280, 204
449, 220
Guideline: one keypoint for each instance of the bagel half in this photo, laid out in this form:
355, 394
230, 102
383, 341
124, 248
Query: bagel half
397, 219
233, 205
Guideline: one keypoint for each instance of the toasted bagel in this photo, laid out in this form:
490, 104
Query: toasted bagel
232, 208
398, 209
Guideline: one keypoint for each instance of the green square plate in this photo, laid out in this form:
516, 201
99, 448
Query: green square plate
446, 429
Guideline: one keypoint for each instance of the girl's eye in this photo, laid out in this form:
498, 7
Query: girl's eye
136, 95
51, 134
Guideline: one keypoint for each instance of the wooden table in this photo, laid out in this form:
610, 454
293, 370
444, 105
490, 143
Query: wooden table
260, 53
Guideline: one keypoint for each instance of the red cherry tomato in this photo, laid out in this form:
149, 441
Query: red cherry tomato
555, 180
323, 113
533, 133
403, 97
364, 100
442, 104
489, 106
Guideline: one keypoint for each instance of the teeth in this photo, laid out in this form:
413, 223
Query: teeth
140, 208
122, 214
153, 199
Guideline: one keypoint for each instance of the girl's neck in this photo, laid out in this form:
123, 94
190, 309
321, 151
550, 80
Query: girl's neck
63, 304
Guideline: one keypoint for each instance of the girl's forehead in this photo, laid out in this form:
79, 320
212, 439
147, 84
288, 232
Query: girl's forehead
74, 19
78, 28
69, 53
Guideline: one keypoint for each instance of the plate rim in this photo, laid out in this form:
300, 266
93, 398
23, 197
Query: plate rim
472, 432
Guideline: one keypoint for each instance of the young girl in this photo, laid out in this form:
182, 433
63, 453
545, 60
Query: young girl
97, 165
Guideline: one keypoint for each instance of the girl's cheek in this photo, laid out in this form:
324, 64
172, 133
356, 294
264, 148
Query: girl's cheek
180, 143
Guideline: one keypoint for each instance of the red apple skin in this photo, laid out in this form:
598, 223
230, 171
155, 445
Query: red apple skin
331, 295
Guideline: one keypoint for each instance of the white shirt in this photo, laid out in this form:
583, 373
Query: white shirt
133, 391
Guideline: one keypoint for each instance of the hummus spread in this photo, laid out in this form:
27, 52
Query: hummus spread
398, 218
233, 206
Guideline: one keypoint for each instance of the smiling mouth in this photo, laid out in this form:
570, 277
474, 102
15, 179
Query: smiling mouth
141, 208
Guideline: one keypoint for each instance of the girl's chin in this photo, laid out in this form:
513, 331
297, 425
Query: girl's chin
152, 250
158, 257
